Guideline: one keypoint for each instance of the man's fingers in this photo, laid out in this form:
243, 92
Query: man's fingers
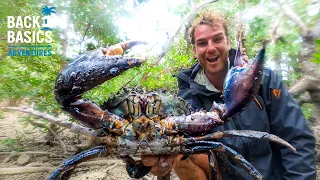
243, 51
176, 160
164, 165
161, 165
157, 171
166, 161
244, 54
246, 58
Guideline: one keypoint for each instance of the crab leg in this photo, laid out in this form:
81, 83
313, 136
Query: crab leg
69, 165
205, 146
242, 133
194, 124
213, 173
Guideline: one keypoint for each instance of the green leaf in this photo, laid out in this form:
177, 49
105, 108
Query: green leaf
315, 61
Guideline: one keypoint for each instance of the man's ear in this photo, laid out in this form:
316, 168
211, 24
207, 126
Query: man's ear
194, 51
228, 43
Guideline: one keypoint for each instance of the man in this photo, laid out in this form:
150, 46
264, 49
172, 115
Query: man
273, 110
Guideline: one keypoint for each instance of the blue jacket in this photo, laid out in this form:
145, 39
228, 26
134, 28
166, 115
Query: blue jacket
273, 110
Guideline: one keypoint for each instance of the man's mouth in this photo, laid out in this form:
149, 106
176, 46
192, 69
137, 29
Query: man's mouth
213, 59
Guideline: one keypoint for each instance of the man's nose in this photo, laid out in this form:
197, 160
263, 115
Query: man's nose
211, 46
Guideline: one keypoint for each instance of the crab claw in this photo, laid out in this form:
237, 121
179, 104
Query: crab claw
136, 169
241, 84
88, 71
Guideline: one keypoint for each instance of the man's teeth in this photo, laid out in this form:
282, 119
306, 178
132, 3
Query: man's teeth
213, 59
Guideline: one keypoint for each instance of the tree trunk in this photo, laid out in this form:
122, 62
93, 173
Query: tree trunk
310, 81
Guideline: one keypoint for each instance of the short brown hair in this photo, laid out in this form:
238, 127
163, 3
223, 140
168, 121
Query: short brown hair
208, 18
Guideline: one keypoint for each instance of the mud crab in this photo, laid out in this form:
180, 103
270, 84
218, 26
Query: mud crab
153, 123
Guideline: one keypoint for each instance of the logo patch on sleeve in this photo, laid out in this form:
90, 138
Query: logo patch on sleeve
276, 93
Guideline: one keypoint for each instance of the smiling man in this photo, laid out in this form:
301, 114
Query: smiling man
211, 48
202, 84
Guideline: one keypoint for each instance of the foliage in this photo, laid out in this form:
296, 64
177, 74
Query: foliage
95, 19
307, 110
177, 58
12, 143
33, 78
9, 142
257, 31
316, 56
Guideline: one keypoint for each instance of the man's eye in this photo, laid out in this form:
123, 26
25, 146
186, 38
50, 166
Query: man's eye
201, 44
218, 39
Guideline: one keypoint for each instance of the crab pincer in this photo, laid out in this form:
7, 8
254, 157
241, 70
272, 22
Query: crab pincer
88, 71
242, 83
84, 73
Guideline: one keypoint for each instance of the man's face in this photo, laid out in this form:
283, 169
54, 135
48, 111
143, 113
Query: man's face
211, 48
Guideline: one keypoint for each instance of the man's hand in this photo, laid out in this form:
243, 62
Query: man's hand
161, 165
244, 55
120, 48
113, 50
195, 167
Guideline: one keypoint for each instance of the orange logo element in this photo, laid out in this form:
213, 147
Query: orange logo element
276, 93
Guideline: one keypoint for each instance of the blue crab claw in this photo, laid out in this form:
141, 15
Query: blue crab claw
88, 71
207, 146
241, 84
136, 169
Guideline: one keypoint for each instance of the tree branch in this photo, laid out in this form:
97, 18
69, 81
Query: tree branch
303, 85
21, 170
305, 98
84, 35
273, 32
64, 149
299, 87
239, 31
15, 153
30, 152
316, 29
293, 16
60, 122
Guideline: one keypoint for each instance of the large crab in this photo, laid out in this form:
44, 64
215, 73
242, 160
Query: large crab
153, 123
